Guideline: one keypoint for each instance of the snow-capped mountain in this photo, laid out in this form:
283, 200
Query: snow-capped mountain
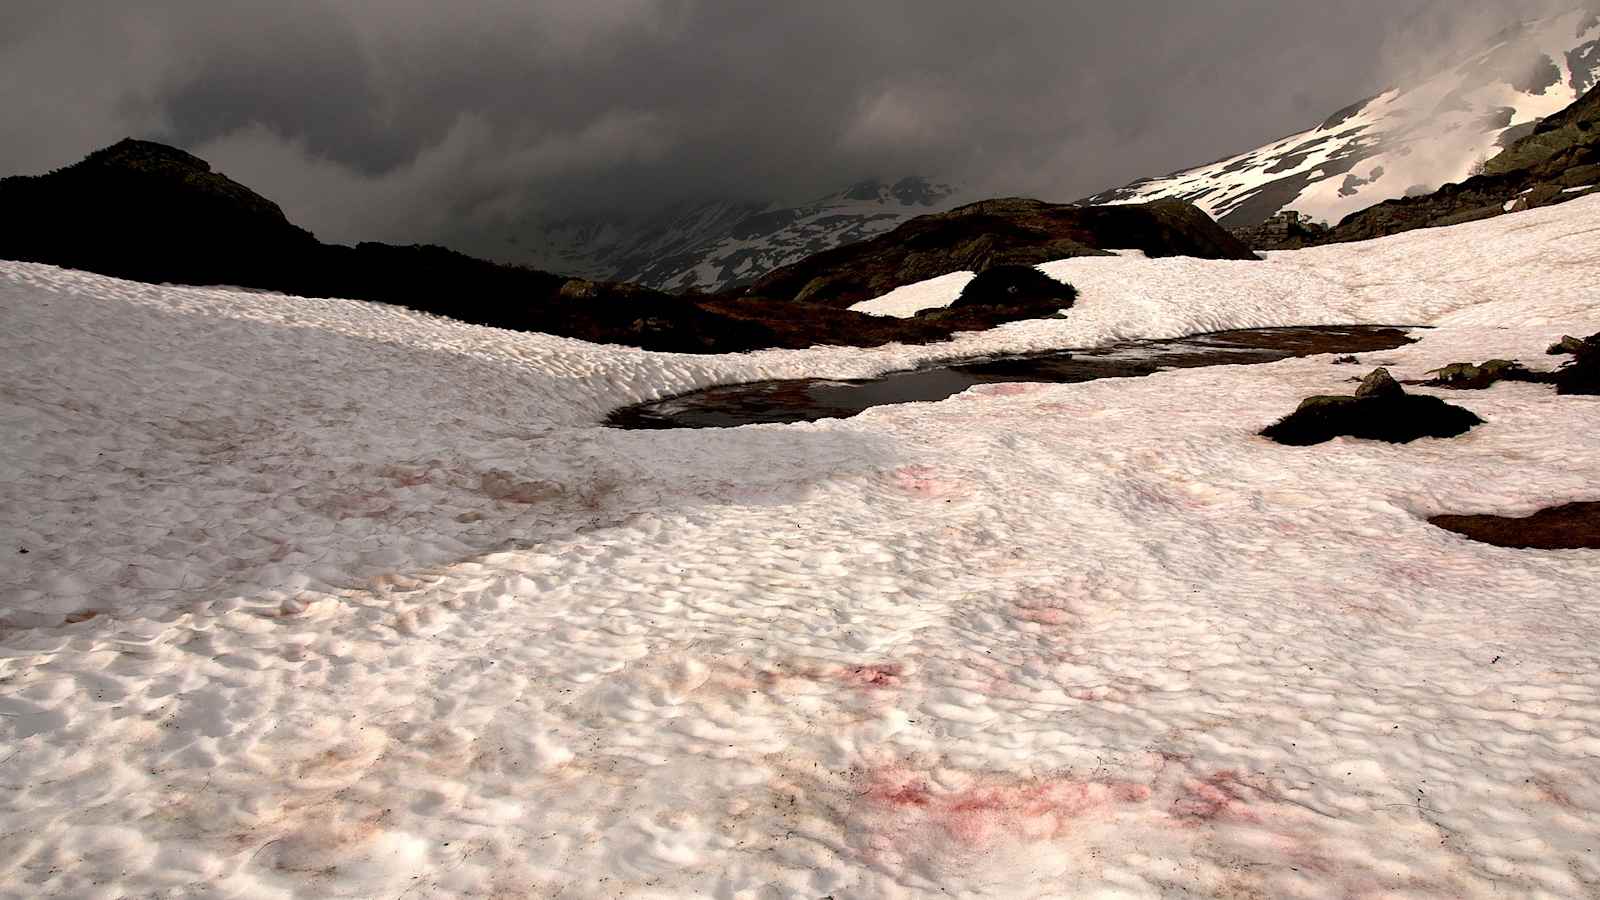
1405, 140
714, 245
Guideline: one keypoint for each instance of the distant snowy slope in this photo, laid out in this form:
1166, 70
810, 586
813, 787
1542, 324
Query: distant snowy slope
1411, 138
718, 244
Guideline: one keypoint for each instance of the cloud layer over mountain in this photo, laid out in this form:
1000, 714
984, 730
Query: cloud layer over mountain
418, 120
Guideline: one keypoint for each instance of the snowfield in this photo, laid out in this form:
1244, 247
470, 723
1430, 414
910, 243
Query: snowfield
330, 599
905, 302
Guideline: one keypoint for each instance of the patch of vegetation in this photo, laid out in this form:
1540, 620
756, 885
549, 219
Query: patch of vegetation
1477, 377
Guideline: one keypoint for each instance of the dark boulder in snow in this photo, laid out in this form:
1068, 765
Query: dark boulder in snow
1380, 411
1581, 374
1016, 286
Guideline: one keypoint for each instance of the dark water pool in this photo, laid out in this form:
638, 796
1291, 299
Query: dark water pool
810, 399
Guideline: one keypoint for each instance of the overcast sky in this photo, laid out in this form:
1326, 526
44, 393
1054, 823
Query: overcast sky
421, 119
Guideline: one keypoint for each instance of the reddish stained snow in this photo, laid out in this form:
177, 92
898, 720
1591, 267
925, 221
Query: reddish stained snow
1042, 615
922, 481
744, 676
1551, 792
1015, 389
1222, 794
872, 677
994, 808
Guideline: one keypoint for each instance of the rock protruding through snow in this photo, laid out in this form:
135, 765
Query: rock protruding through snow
1381, 410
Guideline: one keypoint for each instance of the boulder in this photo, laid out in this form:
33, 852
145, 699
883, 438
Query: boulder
1567, 344
1381, 410
1378, 385
1581, 374
1017, 286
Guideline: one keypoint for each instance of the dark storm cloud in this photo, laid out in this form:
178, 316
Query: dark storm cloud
415, 119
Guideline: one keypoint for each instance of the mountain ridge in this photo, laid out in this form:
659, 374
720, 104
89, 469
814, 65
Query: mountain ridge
713, 245
1406, 140
153, 213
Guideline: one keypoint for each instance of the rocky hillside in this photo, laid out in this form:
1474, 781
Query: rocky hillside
1557, 162
992, 233
149, 212
133, 207
1408, 140
714, 245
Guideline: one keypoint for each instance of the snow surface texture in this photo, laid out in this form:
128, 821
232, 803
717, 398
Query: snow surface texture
1407, 139
330, 599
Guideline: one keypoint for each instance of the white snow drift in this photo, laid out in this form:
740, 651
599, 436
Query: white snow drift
330, 599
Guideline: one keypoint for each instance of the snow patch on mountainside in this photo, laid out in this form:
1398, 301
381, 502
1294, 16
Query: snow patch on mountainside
907, 301
719, 244
1406, 140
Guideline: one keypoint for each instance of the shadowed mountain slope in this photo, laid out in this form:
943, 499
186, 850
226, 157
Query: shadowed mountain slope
149, 212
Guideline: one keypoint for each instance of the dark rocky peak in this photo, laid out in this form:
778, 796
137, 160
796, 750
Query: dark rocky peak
870, 189
130, 159
916, 190
143, 210
145, 156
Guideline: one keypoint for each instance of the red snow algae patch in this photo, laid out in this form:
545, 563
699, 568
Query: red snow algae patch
992, 808
1042, 612
1009, 390
810, 676
1053, 608
880, 676
921, 481
1551, 792
504, 486
1222, 794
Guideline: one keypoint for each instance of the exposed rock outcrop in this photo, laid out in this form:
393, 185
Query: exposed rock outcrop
994, 233
1023, 287
1288, 230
